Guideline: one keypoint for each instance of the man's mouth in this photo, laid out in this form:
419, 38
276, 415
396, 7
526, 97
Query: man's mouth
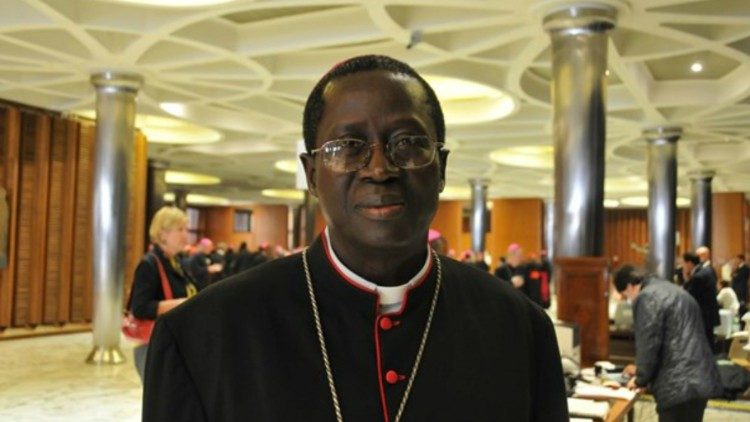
382, 211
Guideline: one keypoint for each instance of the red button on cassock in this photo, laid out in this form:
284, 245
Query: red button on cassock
391, 377
386, 323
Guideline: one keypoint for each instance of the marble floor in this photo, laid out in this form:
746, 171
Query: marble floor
46, 379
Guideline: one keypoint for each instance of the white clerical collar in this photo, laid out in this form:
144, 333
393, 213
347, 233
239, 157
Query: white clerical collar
389, 295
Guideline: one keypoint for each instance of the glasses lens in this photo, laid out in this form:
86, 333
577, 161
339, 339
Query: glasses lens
344, 155
410, 152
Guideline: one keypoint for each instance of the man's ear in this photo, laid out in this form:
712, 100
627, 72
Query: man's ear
308, 163
443, 153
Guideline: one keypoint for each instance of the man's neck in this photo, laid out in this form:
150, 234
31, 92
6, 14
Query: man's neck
382, 266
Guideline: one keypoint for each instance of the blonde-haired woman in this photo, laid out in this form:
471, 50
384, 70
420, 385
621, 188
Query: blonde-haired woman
168, 233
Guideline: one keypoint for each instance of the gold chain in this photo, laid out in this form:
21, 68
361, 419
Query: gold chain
324, 350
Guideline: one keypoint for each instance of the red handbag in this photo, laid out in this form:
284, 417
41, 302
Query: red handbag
140, 329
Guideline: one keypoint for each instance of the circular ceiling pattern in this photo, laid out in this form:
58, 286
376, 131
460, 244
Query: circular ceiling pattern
243, 69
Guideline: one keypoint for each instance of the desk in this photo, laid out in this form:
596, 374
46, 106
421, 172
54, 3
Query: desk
619, 408
620, 401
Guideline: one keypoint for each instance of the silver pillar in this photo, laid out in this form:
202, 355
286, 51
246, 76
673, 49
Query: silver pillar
701, 207
180, 198
662, 199
115, 118
549, 228
579, 61
478, 213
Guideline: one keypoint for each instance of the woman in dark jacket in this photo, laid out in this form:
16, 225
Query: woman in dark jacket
168, 233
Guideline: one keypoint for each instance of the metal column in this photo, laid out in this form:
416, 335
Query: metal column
662, 198
700, 208
115, 118
478, 214
579, 61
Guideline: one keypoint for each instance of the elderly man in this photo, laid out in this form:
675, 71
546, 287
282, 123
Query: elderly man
671, 358
700, 282
368, 323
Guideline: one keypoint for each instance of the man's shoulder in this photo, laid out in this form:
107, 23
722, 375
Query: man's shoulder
471, 281
267, 283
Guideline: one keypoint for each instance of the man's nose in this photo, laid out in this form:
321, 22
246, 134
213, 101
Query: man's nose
380, 165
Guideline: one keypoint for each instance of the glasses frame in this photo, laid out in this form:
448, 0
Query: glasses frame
437, 147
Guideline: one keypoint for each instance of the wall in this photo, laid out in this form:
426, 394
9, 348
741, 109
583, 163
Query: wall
513, 220
626, 234
727, 225
516, 220
268, 224
46, 167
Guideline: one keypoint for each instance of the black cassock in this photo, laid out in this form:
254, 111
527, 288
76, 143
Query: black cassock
246, 349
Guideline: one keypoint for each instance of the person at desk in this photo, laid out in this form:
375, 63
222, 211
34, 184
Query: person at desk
368, 323
672, 359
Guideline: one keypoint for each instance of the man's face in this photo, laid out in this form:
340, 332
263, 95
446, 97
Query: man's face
380, 205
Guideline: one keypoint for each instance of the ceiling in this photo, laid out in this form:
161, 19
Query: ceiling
242, 71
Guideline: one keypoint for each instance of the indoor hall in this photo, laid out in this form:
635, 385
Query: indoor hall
583, 136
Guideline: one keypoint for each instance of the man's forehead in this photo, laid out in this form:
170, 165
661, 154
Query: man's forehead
371, 80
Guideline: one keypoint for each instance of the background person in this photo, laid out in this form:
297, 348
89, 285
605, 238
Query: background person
169, 235
700, 282
672, 360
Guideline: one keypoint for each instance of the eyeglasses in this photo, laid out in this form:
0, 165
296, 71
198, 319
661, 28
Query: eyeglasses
350, 154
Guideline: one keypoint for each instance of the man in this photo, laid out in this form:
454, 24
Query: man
512, 268
740, 274
671, 358
367, 324
704, 255
200, 266
700, 282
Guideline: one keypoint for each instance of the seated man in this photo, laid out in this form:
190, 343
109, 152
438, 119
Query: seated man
368, 323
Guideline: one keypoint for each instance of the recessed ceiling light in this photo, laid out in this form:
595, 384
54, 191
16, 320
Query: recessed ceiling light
293, 194
175, 3
455, 192
683, 202
625, 184
198, 199
635, 201
166, 130
466, 102
696, 67
185, 178
611, 203
287, 166
538, 156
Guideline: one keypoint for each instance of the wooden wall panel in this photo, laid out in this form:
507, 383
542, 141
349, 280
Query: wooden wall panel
219, 226
136, 231
727, 238
516, 220
448, 221
81, 286
626, 234
10, 119
582, 297
67, 241
46, 169
32, 222
55, 222
269, 224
